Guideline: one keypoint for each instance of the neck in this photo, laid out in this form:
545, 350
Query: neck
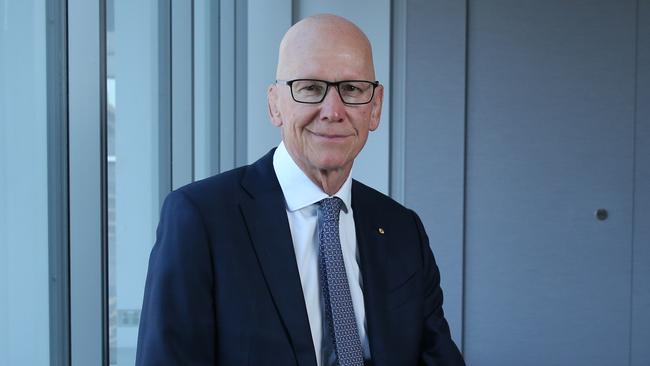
330, 181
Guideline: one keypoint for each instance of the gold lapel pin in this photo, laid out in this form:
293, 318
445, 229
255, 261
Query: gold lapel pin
381, 230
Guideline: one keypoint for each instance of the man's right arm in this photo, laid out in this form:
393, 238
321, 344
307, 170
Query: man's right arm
177, 325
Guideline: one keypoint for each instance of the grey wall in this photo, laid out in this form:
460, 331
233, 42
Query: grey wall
550, 127
434, 137
522, 119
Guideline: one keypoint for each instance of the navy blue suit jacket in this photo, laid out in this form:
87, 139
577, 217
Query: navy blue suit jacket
223, 286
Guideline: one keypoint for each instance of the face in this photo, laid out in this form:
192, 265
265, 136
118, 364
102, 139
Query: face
327, 136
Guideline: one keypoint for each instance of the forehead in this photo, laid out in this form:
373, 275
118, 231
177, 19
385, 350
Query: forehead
333, 63
325, 50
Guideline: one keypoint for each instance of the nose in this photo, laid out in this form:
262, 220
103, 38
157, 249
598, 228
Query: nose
332, 107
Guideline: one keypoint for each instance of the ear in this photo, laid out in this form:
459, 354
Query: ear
274, 111
375, 113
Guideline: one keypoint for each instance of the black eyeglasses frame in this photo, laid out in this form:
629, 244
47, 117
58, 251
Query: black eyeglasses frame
336, 84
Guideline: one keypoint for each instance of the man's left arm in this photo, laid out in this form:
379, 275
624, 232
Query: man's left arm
437, 346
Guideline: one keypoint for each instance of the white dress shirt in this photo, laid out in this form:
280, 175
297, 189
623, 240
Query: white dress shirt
301, 196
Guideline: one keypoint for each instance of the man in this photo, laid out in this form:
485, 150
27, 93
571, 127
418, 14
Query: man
288, 261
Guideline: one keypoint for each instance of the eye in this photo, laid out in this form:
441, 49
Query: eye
350, 88
310, 87
354, 88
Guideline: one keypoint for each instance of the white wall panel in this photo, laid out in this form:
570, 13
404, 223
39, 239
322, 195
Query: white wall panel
267, 23
373, 17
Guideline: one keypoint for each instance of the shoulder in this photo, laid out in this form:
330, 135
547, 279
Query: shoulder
222, 190
230, 187
375, 201
222, 183
221, 193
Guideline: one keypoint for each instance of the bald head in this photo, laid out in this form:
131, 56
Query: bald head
325, 37
324, 137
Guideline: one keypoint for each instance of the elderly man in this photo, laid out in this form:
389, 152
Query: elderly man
289, 261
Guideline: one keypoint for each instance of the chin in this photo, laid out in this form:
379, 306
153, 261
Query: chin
331, 164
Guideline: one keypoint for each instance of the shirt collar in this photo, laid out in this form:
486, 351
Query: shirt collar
299, 191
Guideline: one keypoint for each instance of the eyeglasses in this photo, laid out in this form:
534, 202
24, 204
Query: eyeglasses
313, 91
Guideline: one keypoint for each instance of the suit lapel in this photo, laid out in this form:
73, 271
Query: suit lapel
267, 223
379, 269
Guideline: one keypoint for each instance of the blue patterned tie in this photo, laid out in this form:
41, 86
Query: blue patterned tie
339, 312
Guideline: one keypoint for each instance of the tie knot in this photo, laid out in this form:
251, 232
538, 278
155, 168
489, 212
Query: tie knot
330, 208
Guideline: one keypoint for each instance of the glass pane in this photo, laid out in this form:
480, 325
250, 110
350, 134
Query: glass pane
24, 250
136, 180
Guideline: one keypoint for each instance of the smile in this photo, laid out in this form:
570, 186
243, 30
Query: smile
330, 136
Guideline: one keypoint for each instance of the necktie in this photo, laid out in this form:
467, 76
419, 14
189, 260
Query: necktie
339, 312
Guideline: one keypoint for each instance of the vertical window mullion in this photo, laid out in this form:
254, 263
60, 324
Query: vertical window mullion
57, 144
86, 91
182, 93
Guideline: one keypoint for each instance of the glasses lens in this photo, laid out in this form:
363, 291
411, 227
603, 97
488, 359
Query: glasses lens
356, 92
308, 91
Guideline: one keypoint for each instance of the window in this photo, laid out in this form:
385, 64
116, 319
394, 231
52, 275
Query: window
33, 311
137, 154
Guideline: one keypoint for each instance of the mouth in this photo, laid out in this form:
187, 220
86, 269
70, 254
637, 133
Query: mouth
331, 136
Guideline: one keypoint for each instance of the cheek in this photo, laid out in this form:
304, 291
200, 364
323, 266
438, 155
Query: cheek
301, 118
364, 122
295, 121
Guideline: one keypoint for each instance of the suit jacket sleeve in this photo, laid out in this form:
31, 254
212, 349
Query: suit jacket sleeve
177, 325
437, 346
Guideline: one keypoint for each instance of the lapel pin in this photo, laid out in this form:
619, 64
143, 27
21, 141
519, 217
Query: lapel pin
381, 231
